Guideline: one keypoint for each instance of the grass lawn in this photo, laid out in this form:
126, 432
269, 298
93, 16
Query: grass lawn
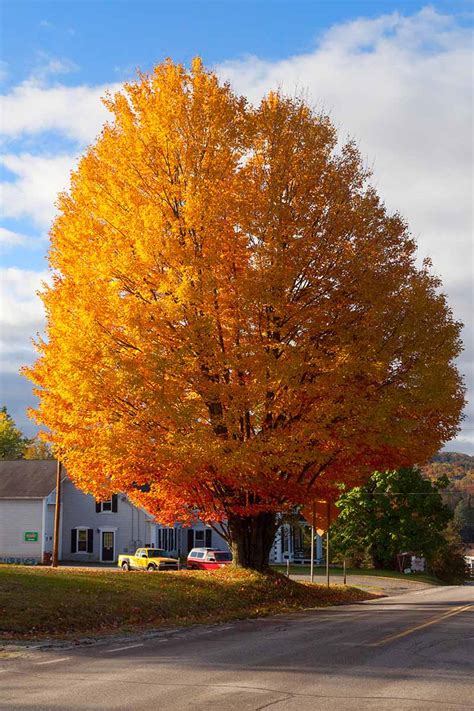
321, 571
66, 602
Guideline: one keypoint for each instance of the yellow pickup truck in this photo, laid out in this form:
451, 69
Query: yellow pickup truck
149, 559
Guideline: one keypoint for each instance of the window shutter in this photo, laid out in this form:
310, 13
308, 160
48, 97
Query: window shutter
90, 540
73, 540
97, 507
208, 537
190, 538
114, 503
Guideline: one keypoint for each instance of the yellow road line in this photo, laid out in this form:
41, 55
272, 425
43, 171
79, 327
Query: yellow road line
433, 621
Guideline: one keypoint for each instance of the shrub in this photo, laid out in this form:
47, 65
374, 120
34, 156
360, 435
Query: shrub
448, 562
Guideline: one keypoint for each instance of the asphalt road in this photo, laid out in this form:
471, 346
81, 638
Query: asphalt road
409, 652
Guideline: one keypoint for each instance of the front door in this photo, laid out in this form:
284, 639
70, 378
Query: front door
108, 545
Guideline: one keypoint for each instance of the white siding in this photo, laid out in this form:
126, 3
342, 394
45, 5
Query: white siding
282, 548
131, 526
16, 517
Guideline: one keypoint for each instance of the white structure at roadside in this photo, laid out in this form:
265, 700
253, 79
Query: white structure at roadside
469, 558
289, 545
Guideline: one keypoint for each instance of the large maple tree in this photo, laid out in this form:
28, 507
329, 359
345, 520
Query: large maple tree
236, 323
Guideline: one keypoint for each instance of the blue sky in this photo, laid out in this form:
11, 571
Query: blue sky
389, 73
107, 38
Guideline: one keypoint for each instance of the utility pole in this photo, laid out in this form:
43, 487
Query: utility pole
57, 514
313, 526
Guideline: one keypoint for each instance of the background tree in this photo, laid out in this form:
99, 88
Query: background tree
464, 518
12, 441
394, 512
235, 319
448, 562
36, 448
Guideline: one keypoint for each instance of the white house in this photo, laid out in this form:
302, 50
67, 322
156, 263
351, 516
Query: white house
89, 530
290, 545
27, 500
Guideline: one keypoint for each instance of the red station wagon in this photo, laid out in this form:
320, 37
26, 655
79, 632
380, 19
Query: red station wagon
208, 559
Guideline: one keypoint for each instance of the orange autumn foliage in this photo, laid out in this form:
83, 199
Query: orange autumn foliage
235, 320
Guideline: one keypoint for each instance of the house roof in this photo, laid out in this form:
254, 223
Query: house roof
27, 478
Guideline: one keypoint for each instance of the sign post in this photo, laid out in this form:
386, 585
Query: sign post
313, 527
325, 511
327, 540
327, 557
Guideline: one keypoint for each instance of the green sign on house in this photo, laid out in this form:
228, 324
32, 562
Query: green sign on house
30, 536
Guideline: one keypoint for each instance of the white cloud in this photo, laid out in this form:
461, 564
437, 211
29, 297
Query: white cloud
38, 181
50, 66
402, 87
21, 315
21, 318
75, 112
31, 108
10, 238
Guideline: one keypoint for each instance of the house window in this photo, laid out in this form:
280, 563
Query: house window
166, 539
107, 506
82, 540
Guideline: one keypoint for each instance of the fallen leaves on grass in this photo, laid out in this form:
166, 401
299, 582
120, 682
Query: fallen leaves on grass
64, 602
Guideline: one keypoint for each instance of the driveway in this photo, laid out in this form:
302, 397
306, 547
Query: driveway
372, 583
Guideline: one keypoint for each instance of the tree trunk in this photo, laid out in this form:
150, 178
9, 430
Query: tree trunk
252, 538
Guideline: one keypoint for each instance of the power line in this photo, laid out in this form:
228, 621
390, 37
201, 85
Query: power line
454, 492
